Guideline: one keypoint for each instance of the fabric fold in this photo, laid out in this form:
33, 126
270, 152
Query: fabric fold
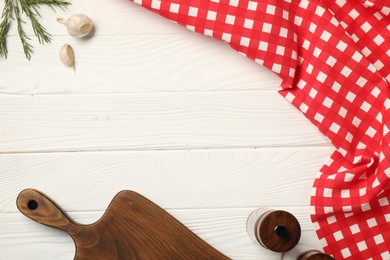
382, 6
331, 57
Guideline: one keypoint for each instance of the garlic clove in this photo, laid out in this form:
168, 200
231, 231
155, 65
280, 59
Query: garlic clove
78, 25
85, 28
67, 55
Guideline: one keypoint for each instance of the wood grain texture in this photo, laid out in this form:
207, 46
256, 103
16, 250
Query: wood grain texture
111, 18
133, 64
148, 54
215, 181
132, 227
140, 121
172, 179
224, 229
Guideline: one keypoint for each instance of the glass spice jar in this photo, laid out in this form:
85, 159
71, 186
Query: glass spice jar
276, 230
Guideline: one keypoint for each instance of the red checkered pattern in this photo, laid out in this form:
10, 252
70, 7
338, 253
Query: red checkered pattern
331, 57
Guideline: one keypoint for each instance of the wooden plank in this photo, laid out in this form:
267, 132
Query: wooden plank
133, 63
172, 179
110, 18
225, 229
151, 121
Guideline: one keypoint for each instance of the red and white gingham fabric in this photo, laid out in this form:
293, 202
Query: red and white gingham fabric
331, 56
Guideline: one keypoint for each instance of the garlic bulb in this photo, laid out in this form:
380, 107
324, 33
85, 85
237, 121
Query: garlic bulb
78, 25
67, 55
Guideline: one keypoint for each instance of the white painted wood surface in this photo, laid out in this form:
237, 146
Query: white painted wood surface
152, 107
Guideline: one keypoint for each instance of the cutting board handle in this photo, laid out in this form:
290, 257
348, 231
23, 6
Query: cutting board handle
41, 209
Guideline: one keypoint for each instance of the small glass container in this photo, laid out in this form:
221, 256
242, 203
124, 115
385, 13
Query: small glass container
276, 230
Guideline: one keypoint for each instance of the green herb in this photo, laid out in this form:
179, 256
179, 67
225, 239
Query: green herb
13, 9
7, 12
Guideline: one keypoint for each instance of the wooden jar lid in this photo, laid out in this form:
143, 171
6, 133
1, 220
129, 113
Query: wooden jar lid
278, 231
316, 255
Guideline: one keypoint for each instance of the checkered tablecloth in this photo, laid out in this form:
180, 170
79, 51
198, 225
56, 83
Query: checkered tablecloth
333, 59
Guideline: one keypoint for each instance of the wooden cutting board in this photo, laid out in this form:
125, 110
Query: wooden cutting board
132, 227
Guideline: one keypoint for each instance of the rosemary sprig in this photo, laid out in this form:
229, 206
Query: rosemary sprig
22, 35
30, 8
7, 12
51, 3
39, 30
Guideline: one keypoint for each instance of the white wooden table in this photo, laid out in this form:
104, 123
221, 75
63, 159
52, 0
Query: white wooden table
152, 107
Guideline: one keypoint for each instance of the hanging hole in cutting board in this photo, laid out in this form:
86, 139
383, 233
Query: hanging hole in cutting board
32, 204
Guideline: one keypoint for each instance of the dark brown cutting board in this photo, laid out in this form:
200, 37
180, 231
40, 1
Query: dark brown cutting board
132, 227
